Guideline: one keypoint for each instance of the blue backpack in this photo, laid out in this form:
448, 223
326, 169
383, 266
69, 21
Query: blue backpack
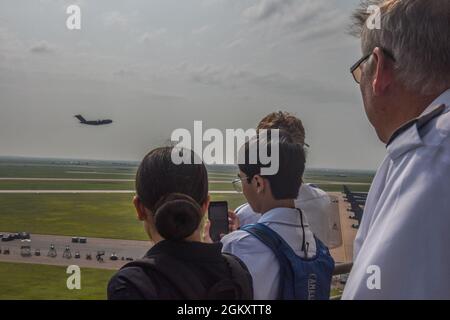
300, 278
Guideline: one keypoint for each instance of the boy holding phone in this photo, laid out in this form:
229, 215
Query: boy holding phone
273, 196
314, 202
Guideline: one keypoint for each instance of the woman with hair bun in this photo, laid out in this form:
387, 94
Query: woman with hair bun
171, 201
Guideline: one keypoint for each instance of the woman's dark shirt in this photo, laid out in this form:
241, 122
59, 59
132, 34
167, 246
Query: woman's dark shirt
204, 260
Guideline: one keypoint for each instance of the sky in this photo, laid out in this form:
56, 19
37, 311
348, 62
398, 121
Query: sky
154, 66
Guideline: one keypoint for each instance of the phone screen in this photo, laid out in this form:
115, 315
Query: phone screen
218, 216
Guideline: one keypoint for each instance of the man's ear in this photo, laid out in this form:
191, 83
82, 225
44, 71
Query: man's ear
140, 209
259, 183
383, 72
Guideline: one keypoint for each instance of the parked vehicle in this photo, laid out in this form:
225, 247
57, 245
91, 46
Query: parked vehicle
8, 237
25, 251
23, 236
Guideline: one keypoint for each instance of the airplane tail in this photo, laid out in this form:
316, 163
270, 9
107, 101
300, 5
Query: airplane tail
80, 117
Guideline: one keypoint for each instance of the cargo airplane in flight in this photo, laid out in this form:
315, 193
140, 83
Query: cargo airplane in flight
92, 123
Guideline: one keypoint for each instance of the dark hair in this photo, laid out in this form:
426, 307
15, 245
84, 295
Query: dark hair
173, 193
177, 216
286, 183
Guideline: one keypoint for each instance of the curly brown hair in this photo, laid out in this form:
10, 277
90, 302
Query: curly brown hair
286, 122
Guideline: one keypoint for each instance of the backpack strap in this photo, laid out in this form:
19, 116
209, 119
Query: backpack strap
272, 240
267, 236
304, 246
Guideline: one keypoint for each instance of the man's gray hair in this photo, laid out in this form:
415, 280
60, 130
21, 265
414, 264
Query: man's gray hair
417, 33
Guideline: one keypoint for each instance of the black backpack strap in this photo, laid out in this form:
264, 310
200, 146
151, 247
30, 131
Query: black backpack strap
175, 272
240, 275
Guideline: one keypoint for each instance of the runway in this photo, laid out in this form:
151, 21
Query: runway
344, 253
126, 248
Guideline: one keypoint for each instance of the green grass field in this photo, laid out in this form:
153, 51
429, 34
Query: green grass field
21, 281
90, 215
86, 185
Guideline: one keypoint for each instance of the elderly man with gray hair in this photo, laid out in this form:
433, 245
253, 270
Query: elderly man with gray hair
402, 249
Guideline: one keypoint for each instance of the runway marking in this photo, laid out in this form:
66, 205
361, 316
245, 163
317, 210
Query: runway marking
95, 172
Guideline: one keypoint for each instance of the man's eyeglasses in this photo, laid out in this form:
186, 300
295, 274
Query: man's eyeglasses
356, 68
237, 183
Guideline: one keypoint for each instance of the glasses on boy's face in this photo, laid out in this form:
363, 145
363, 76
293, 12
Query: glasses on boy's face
237, 184
356, 70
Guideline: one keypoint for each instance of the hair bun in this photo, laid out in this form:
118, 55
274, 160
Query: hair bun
177, 216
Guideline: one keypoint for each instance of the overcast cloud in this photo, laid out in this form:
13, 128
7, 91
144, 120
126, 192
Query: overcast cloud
156, 65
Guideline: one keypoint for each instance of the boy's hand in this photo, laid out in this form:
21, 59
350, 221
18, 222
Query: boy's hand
233, 221
233, 225
206, 236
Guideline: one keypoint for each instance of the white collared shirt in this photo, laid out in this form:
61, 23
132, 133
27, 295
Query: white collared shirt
316, 206
259, 259
405, 229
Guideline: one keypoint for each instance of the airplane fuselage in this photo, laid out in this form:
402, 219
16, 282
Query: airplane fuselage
97, 123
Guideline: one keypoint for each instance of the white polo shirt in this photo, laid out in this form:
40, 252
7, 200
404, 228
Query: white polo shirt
315, 204
259, 259
405, 229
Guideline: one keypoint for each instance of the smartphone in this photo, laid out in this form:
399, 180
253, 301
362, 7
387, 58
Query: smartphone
218, 216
